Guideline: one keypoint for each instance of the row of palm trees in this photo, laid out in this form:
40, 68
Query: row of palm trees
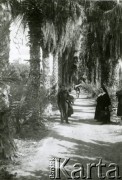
103, 40
39, 17
48, 22
63, 28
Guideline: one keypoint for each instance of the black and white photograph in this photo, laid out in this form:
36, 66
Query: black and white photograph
60, 89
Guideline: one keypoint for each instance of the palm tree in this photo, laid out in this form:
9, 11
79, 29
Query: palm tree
7, 147
99, 40
4, 38
72, 49
36, 14
63, 36
113, 33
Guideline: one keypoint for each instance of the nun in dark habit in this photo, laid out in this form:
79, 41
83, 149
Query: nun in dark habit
102, 112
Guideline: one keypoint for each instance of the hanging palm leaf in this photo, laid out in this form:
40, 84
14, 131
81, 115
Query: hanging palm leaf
113, 27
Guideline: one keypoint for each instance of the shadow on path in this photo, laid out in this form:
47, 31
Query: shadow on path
84, 141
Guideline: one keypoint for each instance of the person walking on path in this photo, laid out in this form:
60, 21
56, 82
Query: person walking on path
98, 106
64, 103
102, 112
77, 89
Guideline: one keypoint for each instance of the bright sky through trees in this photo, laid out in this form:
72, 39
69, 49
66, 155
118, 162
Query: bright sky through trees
18, 43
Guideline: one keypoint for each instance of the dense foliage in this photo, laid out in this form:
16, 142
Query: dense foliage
84, 38
101, 41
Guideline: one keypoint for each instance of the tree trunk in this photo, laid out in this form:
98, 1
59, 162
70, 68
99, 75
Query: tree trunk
120, 77
59, 71
55, 71
5, 18
7, 146
33, 85
46, 71
97, 73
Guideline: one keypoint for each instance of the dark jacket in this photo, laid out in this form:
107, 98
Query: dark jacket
62, 96
102, 112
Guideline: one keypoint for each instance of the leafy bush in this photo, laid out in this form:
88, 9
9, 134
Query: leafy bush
5, 175
19, 75
44, 99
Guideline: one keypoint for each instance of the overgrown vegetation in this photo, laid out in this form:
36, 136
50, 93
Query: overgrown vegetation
85, 39
101, 37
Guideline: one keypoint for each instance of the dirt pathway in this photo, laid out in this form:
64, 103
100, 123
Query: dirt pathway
83, 141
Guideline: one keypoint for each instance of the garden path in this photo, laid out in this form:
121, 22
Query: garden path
84, 141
